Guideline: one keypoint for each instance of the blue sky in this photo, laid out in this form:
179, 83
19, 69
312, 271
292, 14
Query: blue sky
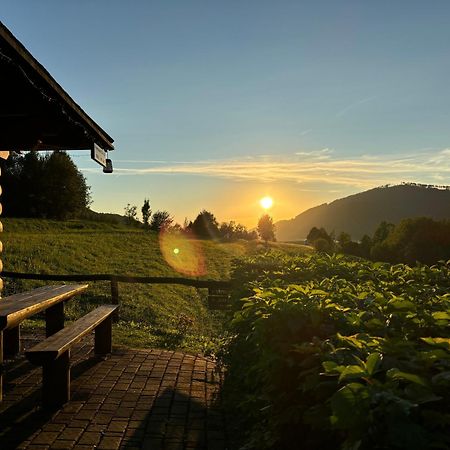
214, 104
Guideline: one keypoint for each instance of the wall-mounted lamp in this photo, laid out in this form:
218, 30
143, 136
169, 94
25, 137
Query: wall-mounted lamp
109, 167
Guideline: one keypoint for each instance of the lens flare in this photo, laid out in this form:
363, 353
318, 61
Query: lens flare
182, 252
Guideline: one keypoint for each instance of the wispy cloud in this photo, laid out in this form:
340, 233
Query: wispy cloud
324, 153
343, 111
320, 166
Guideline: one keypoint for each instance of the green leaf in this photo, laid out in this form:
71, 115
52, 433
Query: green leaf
374, 323
420, 395
396, 374
352, 373
354, 342
442, 378
372, 363
438, 342
329, 366
401, 304
348, 405
441, 315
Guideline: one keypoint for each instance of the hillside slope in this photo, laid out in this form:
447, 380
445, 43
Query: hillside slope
151, 315
361, 213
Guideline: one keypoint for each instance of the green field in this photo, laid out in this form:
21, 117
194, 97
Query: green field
151, 315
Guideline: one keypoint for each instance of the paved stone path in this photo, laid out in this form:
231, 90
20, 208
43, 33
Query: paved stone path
133, 399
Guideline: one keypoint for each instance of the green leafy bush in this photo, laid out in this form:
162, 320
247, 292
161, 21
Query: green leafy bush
330, 352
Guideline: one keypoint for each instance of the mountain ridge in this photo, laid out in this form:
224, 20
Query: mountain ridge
361, 213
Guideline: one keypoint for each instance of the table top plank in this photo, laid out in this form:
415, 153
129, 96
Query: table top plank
17, 307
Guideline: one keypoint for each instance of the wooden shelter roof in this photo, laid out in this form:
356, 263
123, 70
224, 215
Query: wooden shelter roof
36, 113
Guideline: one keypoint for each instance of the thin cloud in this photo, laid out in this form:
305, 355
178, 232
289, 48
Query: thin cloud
354, 105
324, 153
311, 167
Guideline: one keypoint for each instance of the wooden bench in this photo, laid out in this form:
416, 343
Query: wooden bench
18, 307
53, 354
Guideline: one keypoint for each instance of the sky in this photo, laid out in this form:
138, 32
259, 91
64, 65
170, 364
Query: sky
213, 104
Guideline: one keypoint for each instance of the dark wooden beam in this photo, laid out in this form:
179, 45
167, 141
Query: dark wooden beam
33, 73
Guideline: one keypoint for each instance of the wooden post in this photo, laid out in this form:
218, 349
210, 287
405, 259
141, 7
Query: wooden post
56, 382
1, 244
11, 342
115, 297
1, 332
54, 319
1, 366
103, 337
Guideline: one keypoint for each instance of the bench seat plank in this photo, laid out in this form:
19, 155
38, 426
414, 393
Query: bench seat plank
17, 307
57, 344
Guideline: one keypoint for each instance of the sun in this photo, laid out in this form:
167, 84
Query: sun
266, 202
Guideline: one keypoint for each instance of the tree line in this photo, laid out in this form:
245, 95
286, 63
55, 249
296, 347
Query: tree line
412, 240
50, 186
204, 226
43, 185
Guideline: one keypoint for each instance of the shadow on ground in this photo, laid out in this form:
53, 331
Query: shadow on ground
176, 421
133, 399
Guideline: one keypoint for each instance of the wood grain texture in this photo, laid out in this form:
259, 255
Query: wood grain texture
57, 344
15, 308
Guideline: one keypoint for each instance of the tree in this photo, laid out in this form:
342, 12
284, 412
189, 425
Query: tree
48, 186
205, 226
313, 234
266, 228
382, 232
344, 239
322, 245
418, 239
318, 233
131, 214
160, 220
227, 230
321, 240
146, 212
231, 231
365, 246
65, 187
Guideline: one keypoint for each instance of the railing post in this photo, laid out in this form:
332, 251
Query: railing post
115, 297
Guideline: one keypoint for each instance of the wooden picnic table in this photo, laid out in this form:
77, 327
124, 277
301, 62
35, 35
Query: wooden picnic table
18, 307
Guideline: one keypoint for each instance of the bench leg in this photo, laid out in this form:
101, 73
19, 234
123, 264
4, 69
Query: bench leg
54, 319
103, 337
56, 382
11, 342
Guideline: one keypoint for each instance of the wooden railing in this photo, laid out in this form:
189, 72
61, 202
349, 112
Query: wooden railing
216, 288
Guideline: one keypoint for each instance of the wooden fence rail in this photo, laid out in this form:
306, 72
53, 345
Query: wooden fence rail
213, 286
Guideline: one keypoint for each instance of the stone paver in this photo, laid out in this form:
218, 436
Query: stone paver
133, 399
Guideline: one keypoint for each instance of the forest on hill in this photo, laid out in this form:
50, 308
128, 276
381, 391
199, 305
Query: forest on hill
361, 213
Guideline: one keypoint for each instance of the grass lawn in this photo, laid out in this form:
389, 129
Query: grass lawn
169, 316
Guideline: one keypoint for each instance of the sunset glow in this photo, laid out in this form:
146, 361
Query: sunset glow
266, 202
